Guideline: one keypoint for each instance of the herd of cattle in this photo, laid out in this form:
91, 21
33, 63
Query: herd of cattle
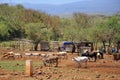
49, 59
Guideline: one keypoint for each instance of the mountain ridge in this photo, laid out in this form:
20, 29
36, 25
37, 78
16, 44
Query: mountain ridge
105, 7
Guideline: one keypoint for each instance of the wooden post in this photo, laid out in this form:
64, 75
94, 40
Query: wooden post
29, 68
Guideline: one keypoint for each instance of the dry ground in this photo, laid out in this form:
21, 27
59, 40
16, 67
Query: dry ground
103, 69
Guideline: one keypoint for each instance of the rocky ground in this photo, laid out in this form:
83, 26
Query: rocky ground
103, 69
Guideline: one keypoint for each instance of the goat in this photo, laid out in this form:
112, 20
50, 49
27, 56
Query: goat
35, 54
11, 52
64, 54
98, 55
80, 60
18, 55
43, 55
28, 54
50, 60
46, 55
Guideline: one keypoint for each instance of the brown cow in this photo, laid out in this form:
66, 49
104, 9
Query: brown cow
50, 60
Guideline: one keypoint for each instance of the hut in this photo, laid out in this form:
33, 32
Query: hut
68, 46
55, 46
44, 46
83, 46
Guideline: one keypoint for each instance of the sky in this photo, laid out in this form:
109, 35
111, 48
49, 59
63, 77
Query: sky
40, 1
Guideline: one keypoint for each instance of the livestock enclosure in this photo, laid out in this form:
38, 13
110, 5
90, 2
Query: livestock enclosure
14, 69
82, 46
68, 46
44, 46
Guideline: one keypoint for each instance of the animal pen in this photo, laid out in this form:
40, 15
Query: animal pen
55, 46
83, 46
20, 44
44, 46
69, 47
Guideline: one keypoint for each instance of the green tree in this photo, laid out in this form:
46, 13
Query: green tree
114, 24
68, 29
36, 32
4, 34
83, 20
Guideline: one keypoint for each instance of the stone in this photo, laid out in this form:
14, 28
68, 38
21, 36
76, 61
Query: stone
98, 76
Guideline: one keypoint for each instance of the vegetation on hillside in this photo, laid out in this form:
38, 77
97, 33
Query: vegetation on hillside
18, 22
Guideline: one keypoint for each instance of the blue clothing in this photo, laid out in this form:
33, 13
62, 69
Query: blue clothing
113, 50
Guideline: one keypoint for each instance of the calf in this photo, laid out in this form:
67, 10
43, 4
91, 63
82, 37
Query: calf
80, 60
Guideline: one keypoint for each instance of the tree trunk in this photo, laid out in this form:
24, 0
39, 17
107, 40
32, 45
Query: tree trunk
35, 46
109, 43
109, 47
104, 46
95, 45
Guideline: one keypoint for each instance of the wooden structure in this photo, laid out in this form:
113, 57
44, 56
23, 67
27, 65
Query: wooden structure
68, 47
55, 46
82, 46
29, 68
44, 46
20, 44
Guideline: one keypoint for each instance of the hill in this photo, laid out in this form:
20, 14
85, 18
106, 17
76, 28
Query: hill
106, 7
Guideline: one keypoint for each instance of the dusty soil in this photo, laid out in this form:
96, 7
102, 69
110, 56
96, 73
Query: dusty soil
103, 69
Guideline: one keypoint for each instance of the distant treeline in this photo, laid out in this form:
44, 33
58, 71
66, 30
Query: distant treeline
18, 22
